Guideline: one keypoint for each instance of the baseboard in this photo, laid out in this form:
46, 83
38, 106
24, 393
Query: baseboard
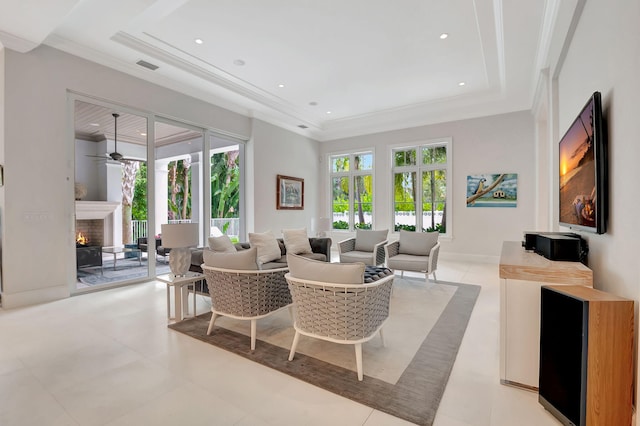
32, 297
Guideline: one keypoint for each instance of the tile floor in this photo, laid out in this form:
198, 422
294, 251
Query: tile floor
107, 358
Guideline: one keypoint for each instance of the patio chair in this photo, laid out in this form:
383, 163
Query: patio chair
414, 251
366, 247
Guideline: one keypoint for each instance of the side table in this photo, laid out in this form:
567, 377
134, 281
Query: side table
180, 285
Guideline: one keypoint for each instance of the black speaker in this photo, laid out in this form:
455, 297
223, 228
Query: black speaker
561, 247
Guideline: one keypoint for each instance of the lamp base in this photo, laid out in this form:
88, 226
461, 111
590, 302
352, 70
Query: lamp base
180, 261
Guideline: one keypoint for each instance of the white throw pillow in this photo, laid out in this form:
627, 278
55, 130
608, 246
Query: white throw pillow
267, 245
335, 273
296, 241
244, 260
222, 244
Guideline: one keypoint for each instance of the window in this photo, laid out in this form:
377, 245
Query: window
420, 187
352, 191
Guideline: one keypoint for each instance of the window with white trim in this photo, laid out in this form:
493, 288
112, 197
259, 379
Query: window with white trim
352, 191
420, 195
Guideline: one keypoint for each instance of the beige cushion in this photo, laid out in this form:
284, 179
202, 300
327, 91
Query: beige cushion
418, 243
296, 241
244, 260
222, 244
366, 239
335, 273
268, 248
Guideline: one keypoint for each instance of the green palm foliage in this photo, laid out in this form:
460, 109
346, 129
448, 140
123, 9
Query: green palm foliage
225, 184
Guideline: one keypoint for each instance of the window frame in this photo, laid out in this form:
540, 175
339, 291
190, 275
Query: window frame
419, 168
351, 175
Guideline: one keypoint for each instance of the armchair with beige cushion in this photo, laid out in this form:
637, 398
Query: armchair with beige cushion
366, 247
239, 290
414, 251
336, 303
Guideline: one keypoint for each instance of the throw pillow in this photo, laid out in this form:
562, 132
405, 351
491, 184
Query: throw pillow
417, 243
222, 244
314, 270
244, 260
268, 248
366, 239
296, 241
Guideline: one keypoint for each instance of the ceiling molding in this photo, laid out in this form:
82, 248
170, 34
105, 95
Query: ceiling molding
16, 43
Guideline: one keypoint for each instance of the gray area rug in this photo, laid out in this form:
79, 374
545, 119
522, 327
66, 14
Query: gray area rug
416, 393
126, 269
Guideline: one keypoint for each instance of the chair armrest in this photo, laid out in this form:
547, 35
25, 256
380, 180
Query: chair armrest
391, 249
347, 245
378, 249
433, 257
321, 245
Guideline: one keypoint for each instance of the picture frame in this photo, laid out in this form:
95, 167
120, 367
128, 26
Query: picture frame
492, 190
289, 193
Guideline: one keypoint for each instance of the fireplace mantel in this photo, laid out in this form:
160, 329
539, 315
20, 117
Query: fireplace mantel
95, 209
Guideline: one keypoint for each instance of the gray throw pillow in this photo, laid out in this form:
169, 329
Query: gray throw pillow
333, 273
244, 260
417, 243
296, 241
222, 244
267, 245
366, 239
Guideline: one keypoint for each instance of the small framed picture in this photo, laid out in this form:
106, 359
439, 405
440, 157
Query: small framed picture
289, 193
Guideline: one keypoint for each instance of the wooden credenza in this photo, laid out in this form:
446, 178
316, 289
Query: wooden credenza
522, 274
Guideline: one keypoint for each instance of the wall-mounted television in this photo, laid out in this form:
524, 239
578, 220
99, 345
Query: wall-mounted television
583, 177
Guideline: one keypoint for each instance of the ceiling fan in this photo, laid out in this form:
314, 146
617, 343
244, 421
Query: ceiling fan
115, 155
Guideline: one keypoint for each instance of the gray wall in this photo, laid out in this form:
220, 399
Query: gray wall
495, 144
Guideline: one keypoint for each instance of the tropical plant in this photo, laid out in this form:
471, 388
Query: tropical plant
225, 184
179, 189
139, 203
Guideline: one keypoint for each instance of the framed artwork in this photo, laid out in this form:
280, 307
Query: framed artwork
289, 193
492, 190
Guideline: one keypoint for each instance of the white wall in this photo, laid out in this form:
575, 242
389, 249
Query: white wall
496, 144
604, 55
593, 64
274, 151
39, 218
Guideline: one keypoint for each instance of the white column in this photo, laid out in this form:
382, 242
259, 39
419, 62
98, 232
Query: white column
110, 189
197, 194
162, 200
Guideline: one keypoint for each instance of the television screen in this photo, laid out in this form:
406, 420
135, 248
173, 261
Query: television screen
583, 170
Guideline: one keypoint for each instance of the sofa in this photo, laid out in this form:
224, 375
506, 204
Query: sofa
320, 247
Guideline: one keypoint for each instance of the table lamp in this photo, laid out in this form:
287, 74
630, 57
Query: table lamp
321, 225
179, 237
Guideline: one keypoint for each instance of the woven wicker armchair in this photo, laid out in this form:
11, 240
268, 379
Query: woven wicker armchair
246, 295
340, 313
366, 247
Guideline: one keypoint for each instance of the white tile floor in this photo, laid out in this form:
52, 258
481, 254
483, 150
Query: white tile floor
107, 358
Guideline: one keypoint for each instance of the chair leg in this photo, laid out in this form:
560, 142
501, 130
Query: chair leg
382, 338
401, 274
253, 335
358, 347
211, 322
435, 280
294, 345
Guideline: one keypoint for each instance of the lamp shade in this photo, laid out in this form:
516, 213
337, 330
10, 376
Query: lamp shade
321, 226
180, 235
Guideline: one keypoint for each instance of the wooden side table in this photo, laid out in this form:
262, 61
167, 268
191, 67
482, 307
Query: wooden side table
180, 285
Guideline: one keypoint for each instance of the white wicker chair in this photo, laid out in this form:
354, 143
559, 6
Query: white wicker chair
246, 295
341, 313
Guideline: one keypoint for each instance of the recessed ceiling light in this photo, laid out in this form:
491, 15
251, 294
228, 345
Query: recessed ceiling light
281, 85
328, 112
198, 41
462, 83
239, 62
143, 134
443, 36
94, 124
313, 103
